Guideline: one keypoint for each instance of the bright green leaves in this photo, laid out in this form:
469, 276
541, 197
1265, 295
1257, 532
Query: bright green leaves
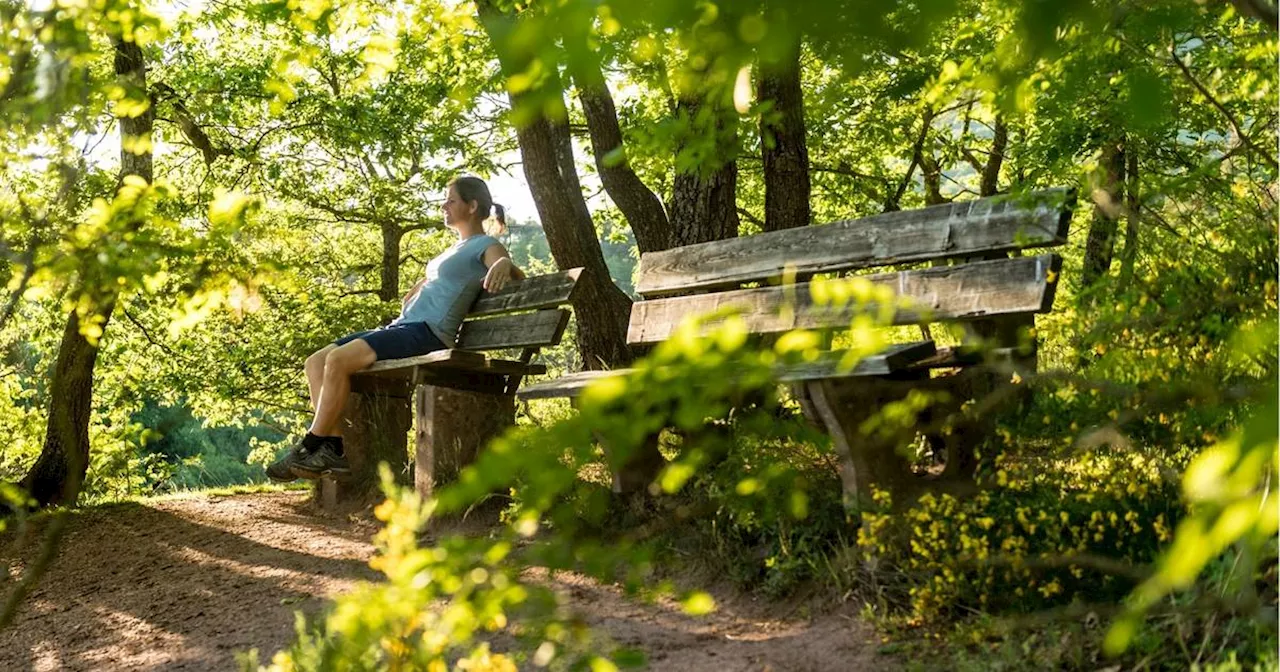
1230, 489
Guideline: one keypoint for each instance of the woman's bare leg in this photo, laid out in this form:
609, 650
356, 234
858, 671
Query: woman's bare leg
339, 364
315, 373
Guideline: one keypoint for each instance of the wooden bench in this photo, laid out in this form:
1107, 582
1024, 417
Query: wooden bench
455, 400
993, 294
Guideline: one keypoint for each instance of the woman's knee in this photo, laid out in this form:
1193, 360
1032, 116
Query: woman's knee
349, 358
317, 359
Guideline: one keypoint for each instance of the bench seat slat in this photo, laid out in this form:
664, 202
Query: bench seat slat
897, 357
441, 358
526, 330
534, 293
960, 292
993, 224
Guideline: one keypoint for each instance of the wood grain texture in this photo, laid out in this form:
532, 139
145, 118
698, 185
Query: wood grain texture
996, 223
542, 291
403, 367
946, 293
450, 428
541, 328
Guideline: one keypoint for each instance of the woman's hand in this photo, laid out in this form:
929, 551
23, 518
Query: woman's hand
500, 273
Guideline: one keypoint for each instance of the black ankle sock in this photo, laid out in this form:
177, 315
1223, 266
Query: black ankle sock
311, 441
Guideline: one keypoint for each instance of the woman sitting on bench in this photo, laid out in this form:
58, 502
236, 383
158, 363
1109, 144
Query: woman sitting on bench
429, 317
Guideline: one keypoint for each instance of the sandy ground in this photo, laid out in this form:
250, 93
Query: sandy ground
186, 584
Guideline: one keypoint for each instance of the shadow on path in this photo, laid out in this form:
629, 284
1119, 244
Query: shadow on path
182, 584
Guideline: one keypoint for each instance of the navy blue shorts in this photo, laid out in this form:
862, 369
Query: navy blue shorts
397, 341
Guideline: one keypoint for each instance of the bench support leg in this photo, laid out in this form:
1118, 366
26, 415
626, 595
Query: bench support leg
867, 459
873, 449
451, 428
639, 471
375, 429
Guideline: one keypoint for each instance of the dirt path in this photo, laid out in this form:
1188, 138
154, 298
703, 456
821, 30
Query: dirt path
185, 584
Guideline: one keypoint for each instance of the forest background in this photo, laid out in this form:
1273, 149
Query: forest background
194, 198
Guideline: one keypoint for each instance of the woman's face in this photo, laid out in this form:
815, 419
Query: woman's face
456, 210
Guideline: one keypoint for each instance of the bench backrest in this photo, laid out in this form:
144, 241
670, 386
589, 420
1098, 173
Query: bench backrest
706, 275
524, 314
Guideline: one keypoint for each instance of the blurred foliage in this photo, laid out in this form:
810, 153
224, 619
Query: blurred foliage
1144, 460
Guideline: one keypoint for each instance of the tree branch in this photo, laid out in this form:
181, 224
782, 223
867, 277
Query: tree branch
1244, 138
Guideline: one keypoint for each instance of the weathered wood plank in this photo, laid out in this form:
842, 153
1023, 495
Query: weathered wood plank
452, 426
404, 367
544, 327
963, 291
542, 291
992, 224
894, 358
569, 385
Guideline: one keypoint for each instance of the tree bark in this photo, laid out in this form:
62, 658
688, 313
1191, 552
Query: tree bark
990, 185
546, 152
1132, 218
59, 472
389, 287
1100, 245
703, 205
893, 200
932, 178
641, 207
785, 152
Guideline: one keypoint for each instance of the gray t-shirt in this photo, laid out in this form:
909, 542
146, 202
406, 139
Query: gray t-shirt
454, 280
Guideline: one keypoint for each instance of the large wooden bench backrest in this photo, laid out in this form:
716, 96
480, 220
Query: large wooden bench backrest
706, 275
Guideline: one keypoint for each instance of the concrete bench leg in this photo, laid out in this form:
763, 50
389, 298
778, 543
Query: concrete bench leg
375, 429
451, 428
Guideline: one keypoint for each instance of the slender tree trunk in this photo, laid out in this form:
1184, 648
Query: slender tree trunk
893, 200
389, 287
641, 207
1100, 245
990, 185
59, 472
932, 172
785, 153
546, 152
1132, 217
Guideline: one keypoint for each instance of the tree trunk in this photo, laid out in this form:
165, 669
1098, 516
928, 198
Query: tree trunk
389, 289
785, 153
1132, 217
932, 172
704, 207
991, 170
59, 472
546, 152
1100, 245
893, 200
703, 204
641, 207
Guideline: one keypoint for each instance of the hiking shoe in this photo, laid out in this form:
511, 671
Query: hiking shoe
324, 461
281, 471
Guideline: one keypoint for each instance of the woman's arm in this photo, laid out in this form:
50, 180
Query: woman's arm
418, 285
501, 268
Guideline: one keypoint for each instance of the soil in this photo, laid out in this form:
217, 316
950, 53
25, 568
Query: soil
186, 584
